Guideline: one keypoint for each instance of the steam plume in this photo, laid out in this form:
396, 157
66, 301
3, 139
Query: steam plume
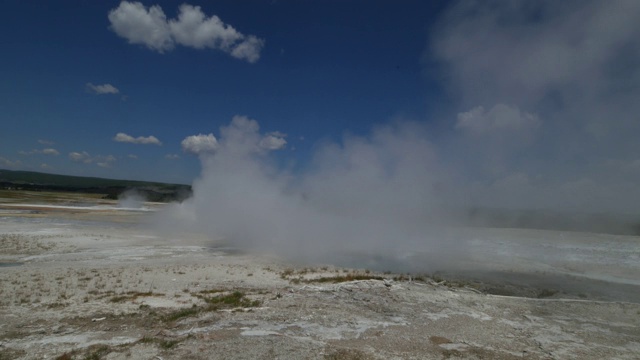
372, 194
547, 96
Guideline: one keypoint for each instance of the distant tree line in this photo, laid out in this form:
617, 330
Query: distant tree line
167, 194
110, 188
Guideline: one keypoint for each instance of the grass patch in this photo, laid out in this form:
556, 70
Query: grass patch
176, 315
56, 305
132, 295
8, 353
13, 334
118, 299
286, 273
301, 276
93, 352
438, 340
212, 291
344, 278
96, 352
236, 299
162, 343
168, 344
347, 354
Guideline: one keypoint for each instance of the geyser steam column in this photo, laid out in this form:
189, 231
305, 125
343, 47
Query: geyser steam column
368, 195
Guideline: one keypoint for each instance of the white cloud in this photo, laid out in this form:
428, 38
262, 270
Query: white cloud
273, 141
192, 28
242, 136
248, 49
132, 156
132, 21
47, 151
102, 89
45, 166
45, 142
50, 151
172, 156
8, 163
122, 137
105, 161
198, 144
81, 157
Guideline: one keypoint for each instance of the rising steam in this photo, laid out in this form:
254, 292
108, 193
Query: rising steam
545, 120
372, 195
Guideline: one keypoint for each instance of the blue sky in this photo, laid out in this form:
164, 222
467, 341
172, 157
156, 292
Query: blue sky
325, 68
522, 103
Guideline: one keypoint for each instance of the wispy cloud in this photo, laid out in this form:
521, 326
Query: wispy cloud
105, 161
81, 157
132, 156
9, 163
273, 141
47, 151
102, 89
192, 28
172, 156
45, 142
145, 140
199, 144
50, 151
245, 129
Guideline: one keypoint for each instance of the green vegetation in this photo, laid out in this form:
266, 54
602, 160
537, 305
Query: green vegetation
286, 273
163, 343
301, 276
30, 177
97, 352
65, 356
348, 354
211, 291
344, 278
193, 311
220, 301
132, 295
233, 300
93, 352
110, 188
